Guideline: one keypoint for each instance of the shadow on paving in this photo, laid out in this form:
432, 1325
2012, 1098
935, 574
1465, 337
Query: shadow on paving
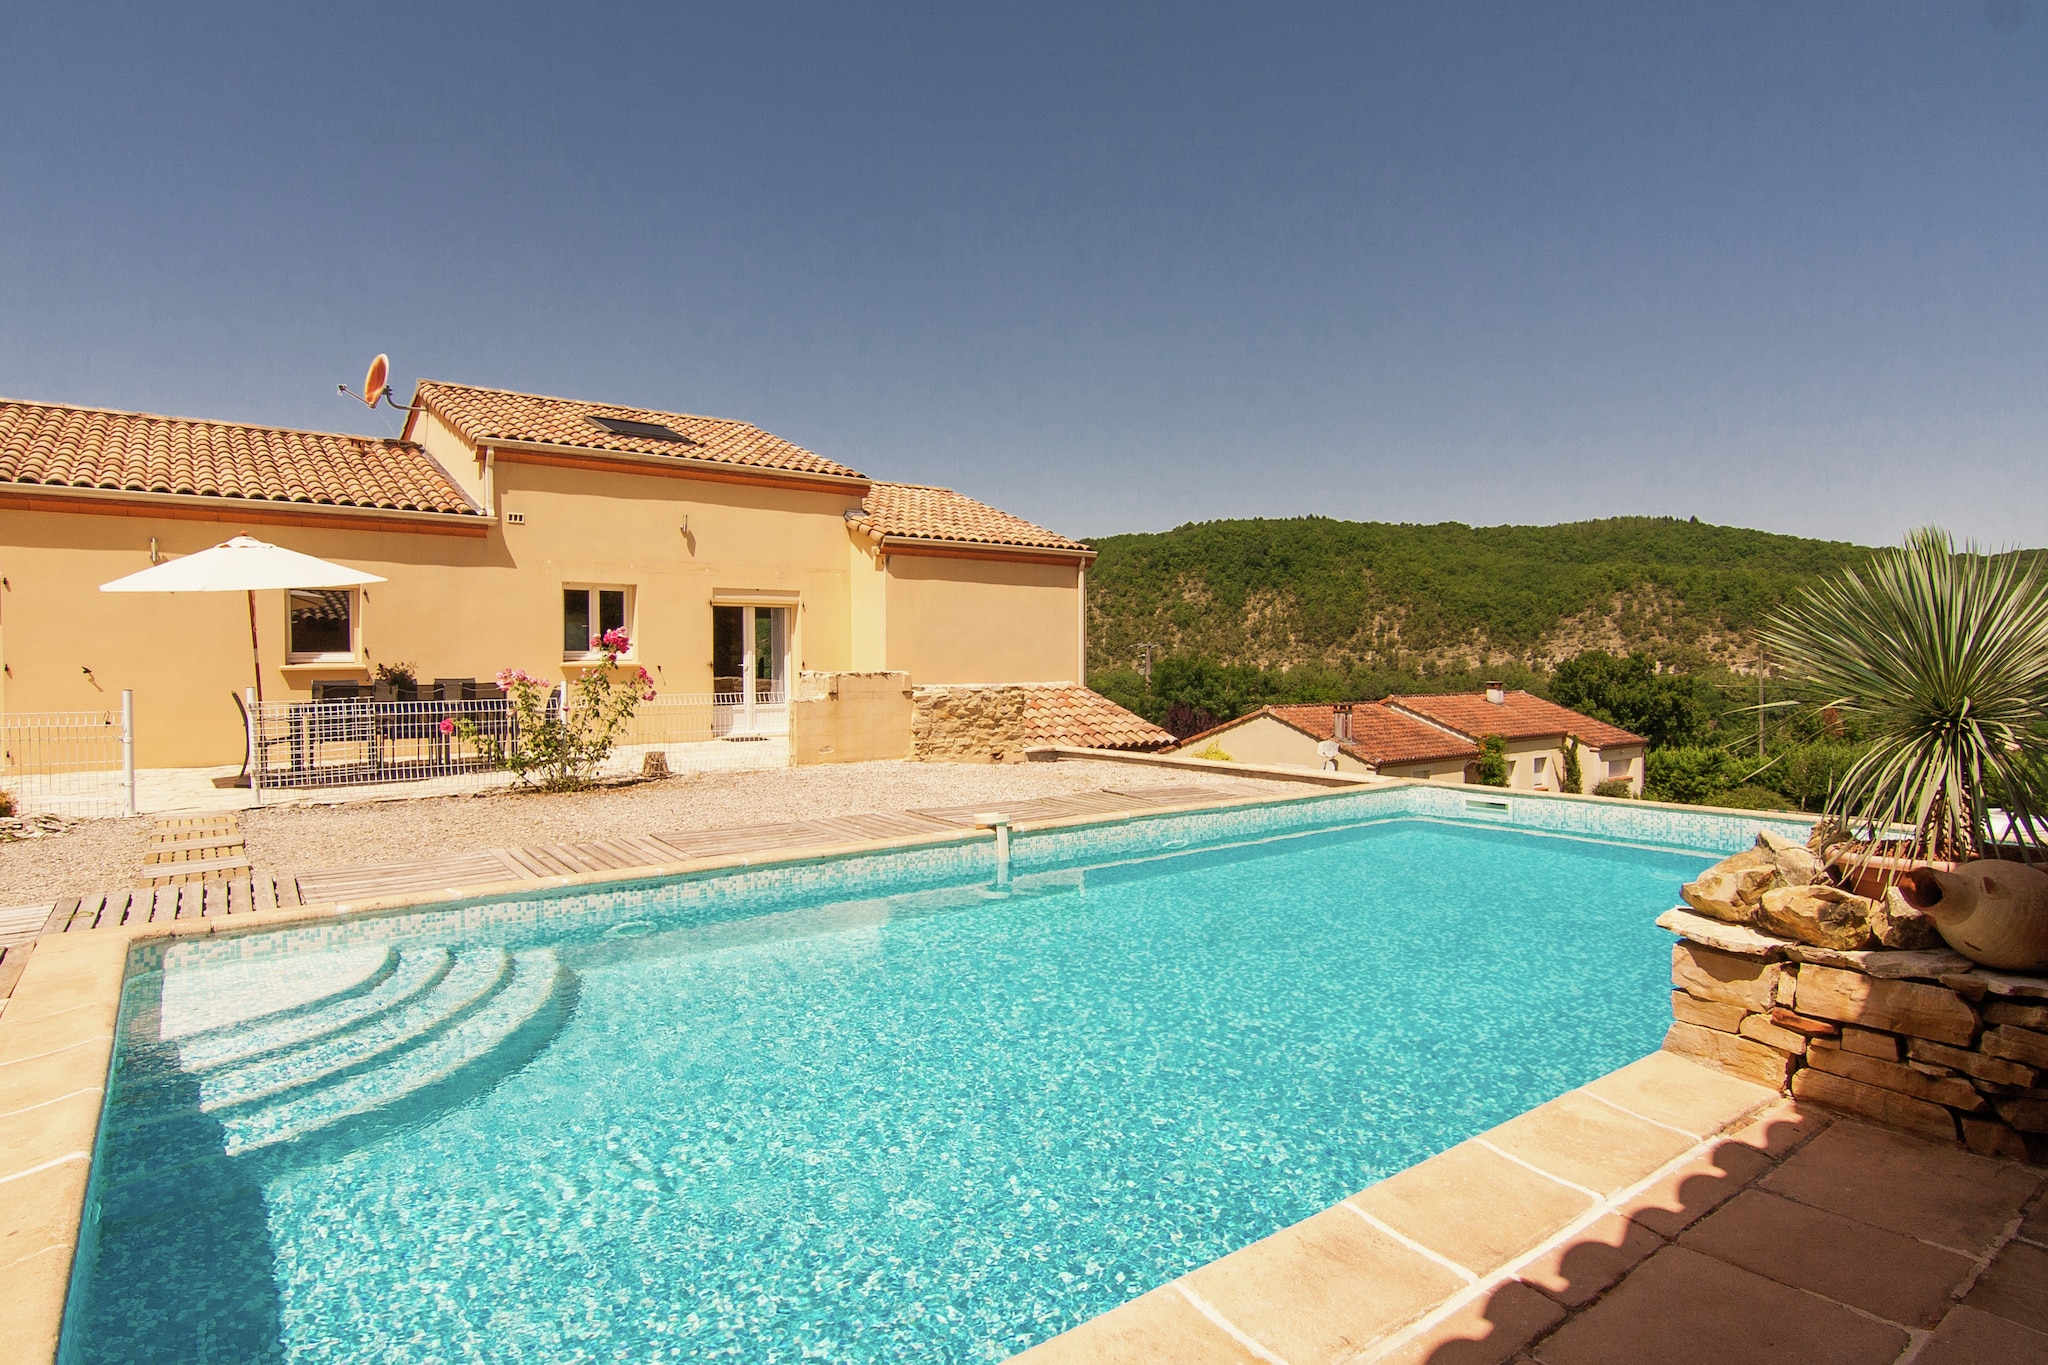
180, 1266
1763, 1257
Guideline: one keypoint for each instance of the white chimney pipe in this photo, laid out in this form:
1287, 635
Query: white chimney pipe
1496, 693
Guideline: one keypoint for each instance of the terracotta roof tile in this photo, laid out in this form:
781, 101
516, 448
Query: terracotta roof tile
927, 513
1070, 714
1378, 735
72, 447
1520, 716
482, 416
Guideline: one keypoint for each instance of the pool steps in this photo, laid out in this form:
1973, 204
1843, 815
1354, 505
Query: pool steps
216, 1001
534, 981
472, 978
437, 1029
413, 972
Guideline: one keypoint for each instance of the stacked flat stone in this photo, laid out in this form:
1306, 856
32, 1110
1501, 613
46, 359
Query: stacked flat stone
1921, 1040
968, 723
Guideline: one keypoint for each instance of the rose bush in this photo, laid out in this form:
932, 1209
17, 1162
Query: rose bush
560, 747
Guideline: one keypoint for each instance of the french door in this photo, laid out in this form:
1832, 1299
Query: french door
750, 669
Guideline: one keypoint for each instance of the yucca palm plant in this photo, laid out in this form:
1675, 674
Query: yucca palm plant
1943, 658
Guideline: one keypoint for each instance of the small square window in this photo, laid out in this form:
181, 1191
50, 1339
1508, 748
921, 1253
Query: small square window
1618, 767
322, 625
1539, 761
587, 613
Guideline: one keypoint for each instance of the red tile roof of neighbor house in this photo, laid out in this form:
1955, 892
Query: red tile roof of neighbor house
57, 445
1518, 716
1378, 736
488, 416
1073, 715
923, 512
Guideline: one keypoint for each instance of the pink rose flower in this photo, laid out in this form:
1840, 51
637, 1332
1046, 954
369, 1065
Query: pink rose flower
448, 726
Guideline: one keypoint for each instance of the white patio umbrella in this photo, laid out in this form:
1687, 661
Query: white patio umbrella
243, 564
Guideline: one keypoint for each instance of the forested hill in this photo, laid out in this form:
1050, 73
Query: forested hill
1446, 598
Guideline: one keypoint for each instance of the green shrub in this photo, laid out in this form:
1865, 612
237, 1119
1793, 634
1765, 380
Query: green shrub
1493, 762
1574, 776
1689, 772
1214, 753
1615, 786
1749, 796
6, 804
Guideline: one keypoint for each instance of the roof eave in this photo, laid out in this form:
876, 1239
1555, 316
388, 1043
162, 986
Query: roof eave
221, 502
982, 548
674, 462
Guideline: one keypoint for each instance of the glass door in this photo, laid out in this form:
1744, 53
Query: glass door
750, 670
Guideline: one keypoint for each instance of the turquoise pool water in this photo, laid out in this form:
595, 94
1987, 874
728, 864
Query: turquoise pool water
782, 1124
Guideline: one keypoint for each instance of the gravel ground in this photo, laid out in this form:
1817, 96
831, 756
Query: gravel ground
102, 854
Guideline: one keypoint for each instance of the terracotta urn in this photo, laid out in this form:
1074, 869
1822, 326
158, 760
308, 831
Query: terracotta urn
1872, 874
1993, 912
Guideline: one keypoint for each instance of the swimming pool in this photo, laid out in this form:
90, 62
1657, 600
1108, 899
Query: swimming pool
860, 1110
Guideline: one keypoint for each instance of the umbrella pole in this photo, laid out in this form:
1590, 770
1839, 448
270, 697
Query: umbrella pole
256, 711
255, 654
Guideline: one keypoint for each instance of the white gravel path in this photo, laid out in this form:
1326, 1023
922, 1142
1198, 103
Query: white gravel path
104, 854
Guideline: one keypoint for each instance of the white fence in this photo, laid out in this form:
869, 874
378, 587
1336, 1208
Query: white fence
77, 763
362, 742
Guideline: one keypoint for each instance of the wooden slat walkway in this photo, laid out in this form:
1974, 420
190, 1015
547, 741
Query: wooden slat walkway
183, 849
242, 889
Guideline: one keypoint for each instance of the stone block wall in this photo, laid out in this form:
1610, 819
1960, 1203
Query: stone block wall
968, 723
1923, 1041
849, 717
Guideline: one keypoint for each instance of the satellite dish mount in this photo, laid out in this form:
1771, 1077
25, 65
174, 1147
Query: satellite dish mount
376, 386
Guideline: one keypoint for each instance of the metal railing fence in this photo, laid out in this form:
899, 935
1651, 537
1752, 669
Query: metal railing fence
359, 742
76, 763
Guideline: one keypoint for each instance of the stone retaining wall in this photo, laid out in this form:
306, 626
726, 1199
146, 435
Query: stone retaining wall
968, 723
1924, 1041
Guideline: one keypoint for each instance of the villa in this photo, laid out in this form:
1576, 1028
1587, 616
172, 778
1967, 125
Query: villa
1434, 737
511, 528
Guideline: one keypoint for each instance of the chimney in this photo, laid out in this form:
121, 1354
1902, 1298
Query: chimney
1340, 721
1496, 693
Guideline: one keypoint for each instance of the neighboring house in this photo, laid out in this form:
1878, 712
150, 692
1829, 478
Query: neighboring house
1369, 738
511, 528
1535, 731
1435, 736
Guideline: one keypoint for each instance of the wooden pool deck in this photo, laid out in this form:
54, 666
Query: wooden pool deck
196, 870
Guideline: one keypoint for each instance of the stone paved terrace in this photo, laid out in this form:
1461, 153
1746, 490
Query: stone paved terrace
1664, 1213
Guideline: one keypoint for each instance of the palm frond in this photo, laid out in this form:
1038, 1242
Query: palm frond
1943, 655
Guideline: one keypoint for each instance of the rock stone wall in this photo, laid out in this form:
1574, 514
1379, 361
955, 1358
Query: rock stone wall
978, 723
1921, 1040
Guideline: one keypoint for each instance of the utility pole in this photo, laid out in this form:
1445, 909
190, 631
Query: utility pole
1145, 664
1762, 671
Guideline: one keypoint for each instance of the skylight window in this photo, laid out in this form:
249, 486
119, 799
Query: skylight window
646, 431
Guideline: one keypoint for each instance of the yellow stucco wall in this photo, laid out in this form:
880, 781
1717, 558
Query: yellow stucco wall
983, 621
467, 606
1264, 740
1523, 756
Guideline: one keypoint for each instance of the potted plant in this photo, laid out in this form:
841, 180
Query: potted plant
1940, 656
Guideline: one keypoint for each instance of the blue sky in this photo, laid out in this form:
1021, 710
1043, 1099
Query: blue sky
1110, 267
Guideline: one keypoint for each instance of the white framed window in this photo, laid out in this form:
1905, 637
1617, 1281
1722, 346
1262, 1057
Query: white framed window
588, 611
1618, 767
1539, 763
321, 625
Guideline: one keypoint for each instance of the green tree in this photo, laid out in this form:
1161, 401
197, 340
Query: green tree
1664, 708
1493, 761
1574, 777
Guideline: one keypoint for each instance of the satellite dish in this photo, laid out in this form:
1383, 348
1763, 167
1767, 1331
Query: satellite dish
377, 380
1328, 749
